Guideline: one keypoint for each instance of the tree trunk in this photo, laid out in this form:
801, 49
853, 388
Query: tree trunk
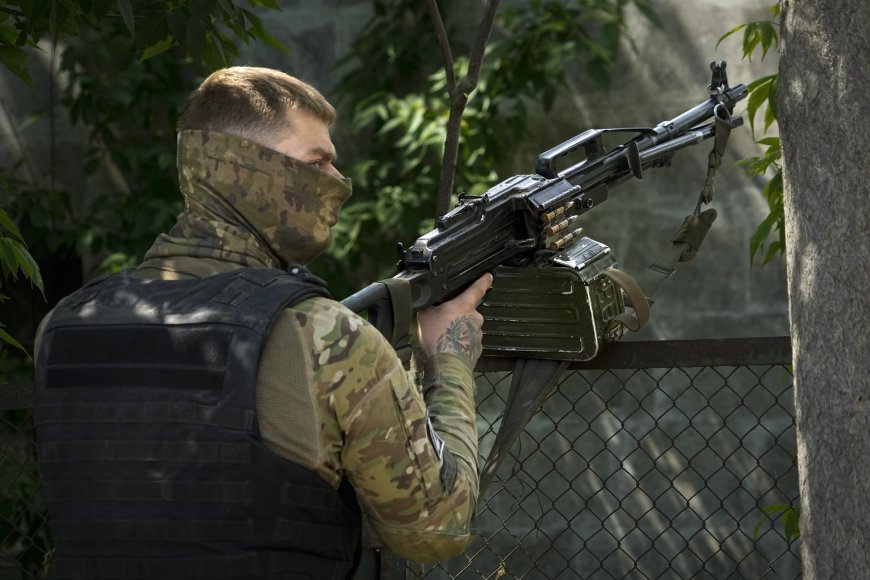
824, 119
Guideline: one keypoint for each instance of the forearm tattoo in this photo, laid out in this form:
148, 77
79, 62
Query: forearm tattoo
462, 338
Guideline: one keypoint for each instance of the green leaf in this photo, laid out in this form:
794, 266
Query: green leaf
213, 53
202, 9
30, 268
8, 263
117, 262
773, 191
227, 6
757, 34
772, 250
272, 4
416, 120
751, 39
769, 36
770, 114
756, 242
769, 117
761, 83
259, 32
791, 525
734, 30
9, 225
759, 93
263, 35
775, 509
754, 165
14, 257
757, 165
152, 29
6, 337
648, 10
789, 515
14, 59
30, 120
157, 48
125, 7
8, 33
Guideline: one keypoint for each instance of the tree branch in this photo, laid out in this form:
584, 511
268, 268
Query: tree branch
477, 53
458, 100
444, 43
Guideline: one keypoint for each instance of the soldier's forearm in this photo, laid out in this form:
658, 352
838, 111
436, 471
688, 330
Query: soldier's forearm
448, 389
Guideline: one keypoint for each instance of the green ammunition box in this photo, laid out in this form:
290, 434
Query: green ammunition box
560, 309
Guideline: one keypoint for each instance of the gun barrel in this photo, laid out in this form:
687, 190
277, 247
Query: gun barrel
651, 144
701, 112
668, 147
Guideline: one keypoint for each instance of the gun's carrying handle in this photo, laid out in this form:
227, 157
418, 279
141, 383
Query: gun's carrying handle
590, 140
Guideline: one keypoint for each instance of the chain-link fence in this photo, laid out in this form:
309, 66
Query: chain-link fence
657, 460
25, 539
658, 464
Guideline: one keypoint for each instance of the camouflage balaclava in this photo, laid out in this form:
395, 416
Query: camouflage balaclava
250, 204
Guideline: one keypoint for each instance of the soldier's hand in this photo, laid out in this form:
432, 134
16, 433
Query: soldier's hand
455, 326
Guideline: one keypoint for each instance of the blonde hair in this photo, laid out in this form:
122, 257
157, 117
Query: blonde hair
251, 102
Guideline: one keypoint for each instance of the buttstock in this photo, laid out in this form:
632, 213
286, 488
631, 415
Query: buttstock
375, 303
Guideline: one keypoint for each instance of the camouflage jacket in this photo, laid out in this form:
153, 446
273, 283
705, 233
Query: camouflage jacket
332, 395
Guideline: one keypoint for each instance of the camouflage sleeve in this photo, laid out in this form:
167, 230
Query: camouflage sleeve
448, 389
416, 479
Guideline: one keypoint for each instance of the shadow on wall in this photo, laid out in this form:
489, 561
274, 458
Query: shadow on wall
720, 293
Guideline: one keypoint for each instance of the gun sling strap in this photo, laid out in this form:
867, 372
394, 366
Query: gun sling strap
400, 304
534, 379
387, 304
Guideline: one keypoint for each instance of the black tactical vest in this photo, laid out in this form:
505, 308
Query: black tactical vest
151, 454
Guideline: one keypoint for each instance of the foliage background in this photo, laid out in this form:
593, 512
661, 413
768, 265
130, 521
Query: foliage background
548, 61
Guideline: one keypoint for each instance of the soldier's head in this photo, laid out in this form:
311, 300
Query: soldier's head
268, 107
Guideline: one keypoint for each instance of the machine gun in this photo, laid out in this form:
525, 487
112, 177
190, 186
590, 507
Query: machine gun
557, 295
529, 219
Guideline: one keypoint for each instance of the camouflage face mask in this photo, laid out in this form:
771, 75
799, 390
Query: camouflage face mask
255, 200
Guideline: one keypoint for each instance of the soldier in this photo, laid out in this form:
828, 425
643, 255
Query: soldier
213, 413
